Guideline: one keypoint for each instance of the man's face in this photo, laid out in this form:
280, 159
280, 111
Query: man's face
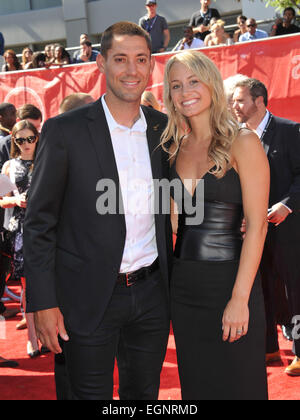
288, 16
127, 68
151, 8
251, 26
86, 50
205, 3
37, 123
188, 33
9, 118
243, 106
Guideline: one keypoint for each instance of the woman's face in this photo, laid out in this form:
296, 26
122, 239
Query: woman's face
9, 58
58, 52
218, 31
25, 141
190, 96
28, 54
242, 23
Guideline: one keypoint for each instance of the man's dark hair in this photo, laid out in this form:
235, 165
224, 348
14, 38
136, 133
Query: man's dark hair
29, 111
4, 107
241, 17
88, 43
290, 9
256, 88
122, 28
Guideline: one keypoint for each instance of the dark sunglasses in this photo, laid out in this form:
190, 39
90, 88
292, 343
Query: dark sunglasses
251, 25
242, 22
22, 140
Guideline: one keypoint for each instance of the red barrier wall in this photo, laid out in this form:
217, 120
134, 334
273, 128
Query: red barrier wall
274, 61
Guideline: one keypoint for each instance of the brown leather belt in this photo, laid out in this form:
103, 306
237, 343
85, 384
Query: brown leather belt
129, 279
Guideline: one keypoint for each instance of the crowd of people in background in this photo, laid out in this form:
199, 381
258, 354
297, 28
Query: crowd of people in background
205, 29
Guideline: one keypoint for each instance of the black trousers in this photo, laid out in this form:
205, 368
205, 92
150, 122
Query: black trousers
281, 286
135, 329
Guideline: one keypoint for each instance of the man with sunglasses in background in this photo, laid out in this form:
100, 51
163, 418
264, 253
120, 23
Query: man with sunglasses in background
252, 33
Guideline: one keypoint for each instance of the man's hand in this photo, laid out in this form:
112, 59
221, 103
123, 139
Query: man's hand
48, 323
279, 212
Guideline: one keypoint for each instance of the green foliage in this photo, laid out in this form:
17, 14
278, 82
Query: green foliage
282, 4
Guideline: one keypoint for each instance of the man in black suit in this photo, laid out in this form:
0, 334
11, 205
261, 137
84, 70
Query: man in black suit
98, 276
280, 261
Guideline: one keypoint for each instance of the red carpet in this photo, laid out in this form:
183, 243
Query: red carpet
34, 380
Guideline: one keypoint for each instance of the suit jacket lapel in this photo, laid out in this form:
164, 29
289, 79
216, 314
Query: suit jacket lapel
153, 137
269, 135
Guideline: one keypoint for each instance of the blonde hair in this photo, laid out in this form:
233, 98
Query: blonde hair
223, 126
149, 98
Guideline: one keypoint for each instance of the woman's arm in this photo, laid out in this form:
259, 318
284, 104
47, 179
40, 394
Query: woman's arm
251, 163
9, 200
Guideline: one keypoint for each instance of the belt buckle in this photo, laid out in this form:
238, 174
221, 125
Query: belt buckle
128, 283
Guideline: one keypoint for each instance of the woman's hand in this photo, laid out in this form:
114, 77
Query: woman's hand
235, 320
8, 202
21, 201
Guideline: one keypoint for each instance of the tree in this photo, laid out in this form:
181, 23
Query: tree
282, 4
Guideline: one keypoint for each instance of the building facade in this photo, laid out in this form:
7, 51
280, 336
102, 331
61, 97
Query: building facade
39, 22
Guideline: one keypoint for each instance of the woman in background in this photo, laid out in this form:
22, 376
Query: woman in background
216, 296
27, 56
148, 99
11, 61
19, 169
241, 21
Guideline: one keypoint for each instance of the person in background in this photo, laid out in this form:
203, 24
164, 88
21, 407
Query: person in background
11, 61
280, 261
285, 26
156, 26
1, 44
189, 41
61, 56
49, 57
252, 32
39, 61
229, 86
19, 169
27, 56
201, 19
218, 36
8, 115
148, 99
75, 100
241, 21
86, 53
76, 54
34, 116
26, 111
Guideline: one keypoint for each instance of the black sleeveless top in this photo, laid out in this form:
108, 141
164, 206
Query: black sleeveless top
217, 237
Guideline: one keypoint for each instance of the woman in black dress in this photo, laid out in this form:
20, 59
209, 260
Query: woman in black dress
217, 302
19, 169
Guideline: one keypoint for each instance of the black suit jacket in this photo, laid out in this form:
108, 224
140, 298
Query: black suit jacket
5, 144
282, 145
73, 254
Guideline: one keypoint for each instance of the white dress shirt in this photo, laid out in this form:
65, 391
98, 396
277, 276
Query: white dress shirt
261, 128
136, 183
